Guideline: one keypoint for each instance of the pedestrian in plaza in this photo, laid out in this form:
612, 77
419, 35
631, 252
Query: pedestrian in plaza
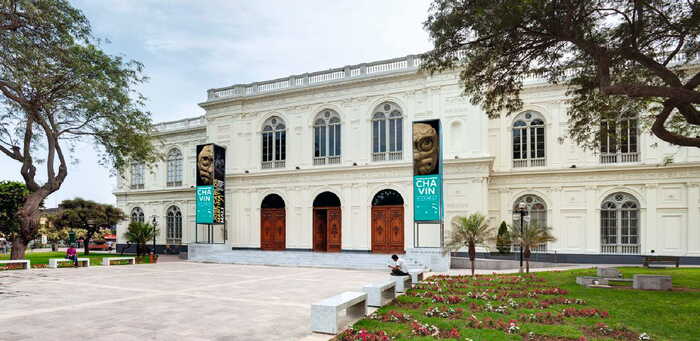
72, 254
399, 268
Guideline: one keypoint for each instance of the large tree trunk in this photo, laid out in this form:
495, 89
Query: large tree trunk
472, 255
86, 243
29, 217
19, 246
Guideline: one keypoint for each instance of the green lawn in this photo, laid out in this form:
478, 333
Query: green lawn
43, 257
484, 308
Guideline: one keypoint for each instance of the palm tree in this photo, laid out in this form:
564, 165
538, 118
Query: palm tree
140, 233
469, 231
532, 235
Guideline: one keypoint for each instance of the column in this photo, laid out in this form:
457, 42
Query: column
592, 220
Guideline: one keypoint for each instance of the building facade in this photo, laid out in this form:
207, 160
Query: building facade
323, 161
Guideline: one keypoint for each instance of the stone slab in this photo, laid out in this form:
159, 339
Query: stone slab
27, 263
325, 317
380, 293
416, 276
591, 280
106, 261
608, 272
652, 282
402, 283
53, 262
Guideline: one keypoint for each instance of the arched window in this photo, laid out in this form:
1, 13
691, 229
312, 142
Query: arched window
327, 138
137, 215
619, 139
173, 221
619, 224
274, 143
174, 168
536, 211
529, 140
387, 132
137, 175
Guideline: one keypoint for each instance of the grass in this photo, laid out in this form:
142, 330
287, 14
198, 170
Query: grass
664, 315
37, 258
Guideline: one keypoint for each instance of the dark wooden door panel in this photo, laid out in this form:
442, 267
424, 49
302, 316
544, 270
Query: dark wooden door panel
334, 229
387, 229
320, 222
396, 229
272, 228
379, 229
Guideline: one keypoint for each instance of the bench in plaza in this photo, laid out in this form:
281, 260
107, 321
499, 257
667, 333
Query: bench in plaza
53, 262
652, 282
25, 263
108, 260
401, 282
416, 276
325, 317
661, 259
381, 293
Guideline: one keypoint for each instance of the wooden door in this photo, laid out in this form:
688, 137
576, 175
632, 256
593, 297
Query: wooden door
387, 229
334, 229
272, 229
320, 222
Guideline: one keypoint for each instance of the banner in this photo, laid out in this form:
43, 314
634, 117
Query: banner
427, 171
210, 191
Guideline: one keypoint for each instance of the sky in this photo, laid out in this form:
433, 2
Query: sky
189, 46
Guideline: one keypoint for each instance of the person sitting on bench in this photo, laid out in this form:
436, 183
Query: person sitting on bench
72, 254
399, 268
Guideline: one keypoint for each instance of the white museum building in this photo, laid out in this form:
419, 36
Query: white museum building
322, 162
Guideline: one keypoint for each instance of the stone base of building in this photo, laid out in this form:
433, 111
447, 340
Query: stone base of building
574, 258
161, 249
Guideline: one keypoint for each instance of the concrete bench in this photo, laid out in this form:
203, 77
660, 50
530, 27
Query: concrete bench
53, 262
591, 280
108, 260
325, 314
381, 293
401, 282
608, 272
26, 263
652, 282
416, 276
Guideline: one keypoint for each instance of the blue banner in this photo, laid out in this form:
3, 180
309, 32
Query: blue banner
427, 197
205, 204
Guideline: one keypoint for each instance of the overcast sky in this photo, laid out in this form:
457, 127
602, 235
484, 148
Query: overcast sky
189, 46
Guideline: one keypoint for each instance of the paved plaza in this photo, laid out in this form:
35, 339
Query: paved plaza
169, 301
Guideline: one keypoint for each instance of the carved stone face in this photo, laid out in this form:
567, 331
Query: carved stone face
205, 165
425, 149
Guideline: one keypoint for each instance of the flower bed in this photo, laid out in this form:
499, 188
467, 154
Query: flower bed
493, 307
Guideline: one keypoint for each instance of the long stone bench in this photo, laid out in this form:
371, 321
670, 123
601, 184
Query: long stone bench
402, 282
608, 272
53, 262
381, 293
325, 314
108, 260
416, 275
652, 282
25, 262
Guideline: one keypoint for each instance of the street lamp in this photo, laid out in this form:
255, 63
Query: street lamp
91, 224
522, 209
154, 223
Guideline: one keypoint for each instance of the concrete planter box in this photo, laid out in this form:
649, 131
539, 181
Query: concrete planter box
652, 282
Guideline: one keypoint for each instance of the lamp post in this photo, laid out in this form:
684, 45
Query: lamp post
154, 223
91, 224
522, 209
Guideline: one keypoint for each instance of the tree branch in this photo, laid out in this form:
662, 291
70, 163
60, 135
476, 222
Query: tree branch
659, 129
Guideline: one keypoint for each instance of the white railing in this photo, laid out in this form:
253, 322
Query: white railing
619, 249
619, 157
180, 124
326, 160
273, 164
537, 249
537, 162
384, 156
403, 64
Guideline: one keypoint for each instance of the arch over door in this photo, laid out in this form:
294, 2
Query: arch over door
327, 223
387, 222
272, 223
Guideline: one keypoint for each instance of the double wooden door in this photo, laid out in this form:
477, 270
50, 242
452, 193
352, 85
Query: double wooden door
327, 229
387, 229
272, 229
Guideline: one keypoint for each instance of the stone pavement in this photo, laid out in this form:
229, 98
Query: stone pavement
168, 301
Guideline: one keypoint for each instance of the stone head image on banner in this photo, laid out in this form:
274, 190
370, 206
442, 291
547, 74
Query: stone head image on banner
205, 165
426, 148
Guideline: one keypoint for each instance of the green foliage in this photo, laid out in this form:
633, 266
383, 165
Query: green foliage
12, 195
503, 240
531, 236
469, 231
87, 215
140, 233
616, 58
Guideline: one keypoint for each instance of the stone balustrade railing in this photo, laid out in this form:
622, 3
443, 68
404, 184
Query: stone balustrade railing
187, 123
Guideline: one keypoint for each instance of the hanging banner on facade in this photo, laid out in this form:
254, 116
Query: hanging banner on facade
210, 190
427, 171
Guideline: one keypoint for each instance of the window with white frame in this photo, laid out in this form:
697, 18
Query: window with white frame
619, 139
327, 138
274, 143
536, 209
174, 168
619, 224
173, 222
529, 140
137, 215
387, 132
137, 175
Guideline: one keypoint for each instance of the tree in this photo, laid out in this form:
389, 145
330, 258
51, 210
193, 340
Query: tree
57, 88
469, 231
532, 235
616, 57
12, 195
87, 215
140, 233
502, 240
